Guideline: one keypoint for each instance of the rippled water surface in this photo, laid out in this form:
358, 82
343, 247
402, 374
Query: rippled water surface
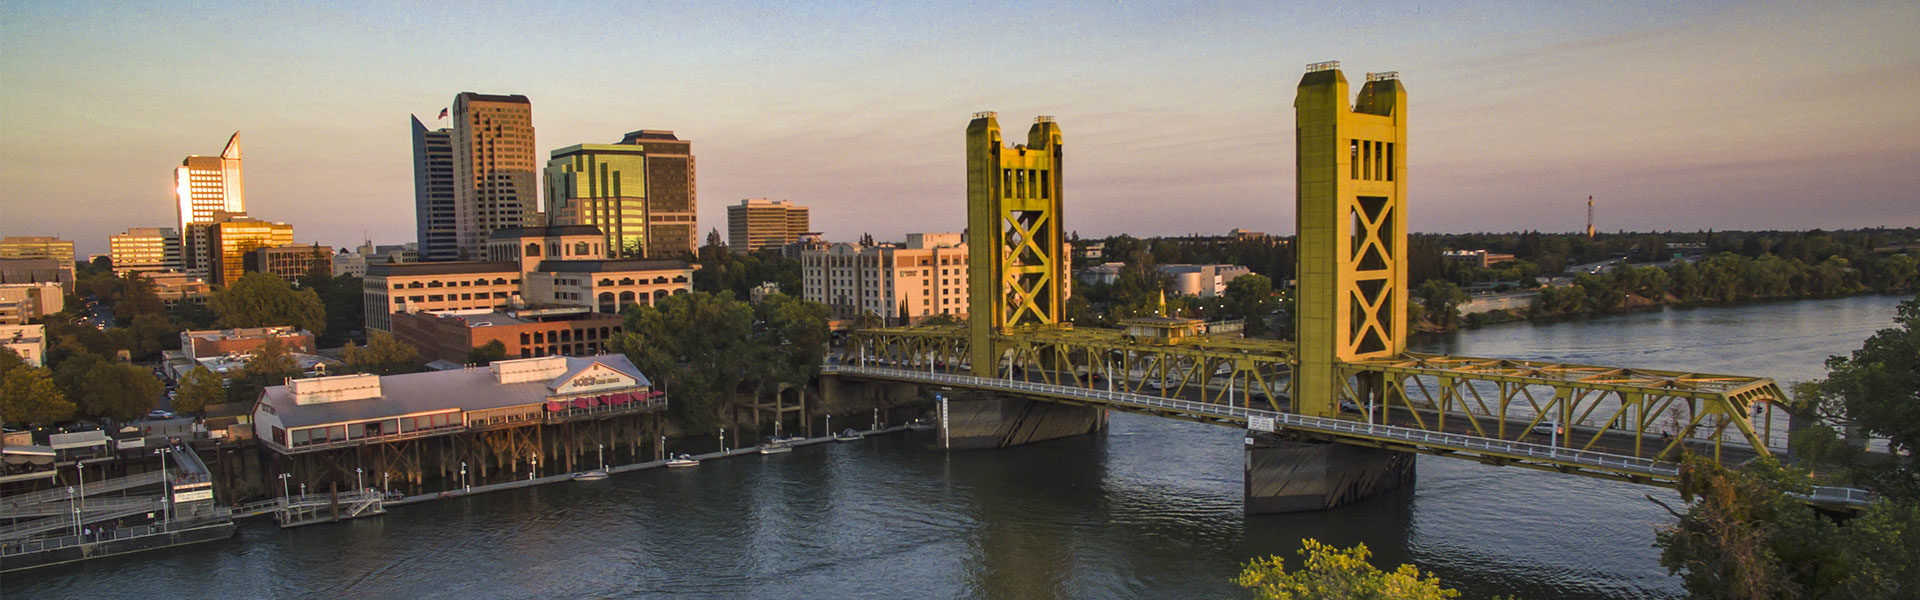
1151, 510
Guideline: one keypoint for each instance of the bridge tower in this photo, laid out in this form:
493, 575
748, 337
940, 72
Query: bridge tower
1016, 275
1351, 301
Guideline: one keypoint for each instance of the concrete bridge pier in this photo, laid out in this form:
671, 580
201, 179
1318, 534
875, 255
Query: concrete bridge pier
988, 420
1286, 475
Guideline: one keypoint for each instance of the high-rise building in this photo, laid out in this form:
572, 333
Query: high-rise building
145, 249
763, 224
232, 236
495, 177
202, 186
672, 197
36, 246
434, 216
605, 186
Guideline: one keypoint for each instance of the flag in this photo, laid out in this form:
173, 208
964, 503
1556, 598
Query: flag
443, 113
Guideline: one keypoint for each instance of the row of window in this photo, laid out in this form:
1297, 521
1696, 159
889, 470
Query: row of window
372, 429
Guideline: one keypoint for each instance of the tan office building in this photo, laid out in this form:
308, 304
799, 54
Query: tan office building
898, 283
496, 177
145, 250
36, 246
763, 224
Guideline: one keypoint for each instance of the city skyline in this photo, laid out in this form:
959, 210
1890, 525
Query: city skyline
1715, 116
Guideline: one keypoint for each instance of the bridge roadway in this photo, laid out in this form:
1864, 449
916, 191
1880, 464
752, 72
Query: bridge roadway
1456, 441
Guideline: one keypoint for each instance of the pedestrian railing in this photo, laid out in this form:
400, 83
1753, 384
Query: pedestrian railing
1258, 419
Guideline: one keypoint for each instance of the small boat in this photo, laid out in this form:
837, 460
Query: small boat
922, 424
594, 475
848, 436
775, 447
684, 460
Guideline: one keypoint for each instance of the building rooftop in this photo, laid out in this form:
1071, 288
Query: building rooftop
527, 381
649, 134
479, 97
440, 268
509, 233
613, 265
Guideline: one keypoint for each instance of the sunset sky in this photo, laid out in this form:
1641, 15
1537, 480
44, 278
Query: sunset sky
1177, 116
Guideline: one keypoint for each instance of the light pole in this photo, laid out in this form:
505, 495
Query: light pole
533, 466
386, 481
76, 512
463, 477
723, 440
359, 481
603, 458
80, 469
286, 491
166, 488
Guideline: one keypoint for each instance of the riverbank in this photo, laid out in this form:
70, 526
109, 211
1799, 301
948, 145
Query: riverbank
1632, 304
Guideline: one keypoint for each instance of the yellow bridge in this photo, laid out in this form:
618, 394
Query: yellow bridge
1347, 379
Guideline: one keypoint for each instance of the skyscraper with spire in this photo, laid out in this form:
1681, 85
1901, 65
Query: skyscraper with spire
203, 186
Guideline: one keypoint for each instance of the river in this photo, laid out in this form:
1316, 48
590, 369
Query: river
1151, 510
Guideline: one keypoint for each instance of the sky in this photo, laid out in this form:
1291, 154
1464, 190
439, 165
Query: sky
1177, 117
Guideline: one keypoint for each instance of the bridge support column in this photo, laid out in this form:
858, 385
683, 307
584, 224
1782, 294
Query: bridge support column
1284, 475
990, 421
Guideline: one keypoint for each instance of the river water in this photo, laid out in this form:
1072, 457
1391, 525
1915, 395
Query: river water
1151, 510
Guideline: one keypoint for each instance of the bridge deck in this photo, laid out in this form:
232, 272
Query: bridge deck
1461, 443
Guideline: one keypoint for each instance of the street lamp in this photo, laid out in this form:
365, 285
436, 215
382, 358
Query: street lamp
386, 481
359, 482
534, 467
723, 440
463, 477
80, 469
286, 494
76, 512
166, 488
603, 457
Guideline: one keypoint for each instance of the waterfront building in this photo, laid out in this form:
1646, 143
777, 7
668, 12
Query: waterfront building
203, 186
639, 192
495, 180
37, 270
228, 240
325, 413
529, 332
27, 341
434, 216
897, 283
36, 246
22, 302
145, 250
765, 224
291, 261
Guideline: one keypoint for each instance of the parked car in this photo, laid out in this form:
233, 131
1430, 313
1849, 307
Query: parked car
158, 414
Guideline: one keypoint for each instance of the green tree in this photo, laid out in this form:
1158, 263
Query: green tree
1250, 297
137, 299
485, 354
269, 365
10, 360
383, 355
1441, 301
119, 391
29, 397
198, 388
1744, 537
1331, 573
1877, 389
262, 300
702, 365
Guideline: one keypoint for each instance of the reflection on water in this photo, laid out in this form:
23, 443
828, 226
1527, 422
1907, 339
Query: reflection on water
1150, 510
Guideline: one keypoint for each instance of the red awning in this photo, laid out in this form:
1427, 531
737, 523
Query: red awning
555, 406
620, 398
656, 394
583, 402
